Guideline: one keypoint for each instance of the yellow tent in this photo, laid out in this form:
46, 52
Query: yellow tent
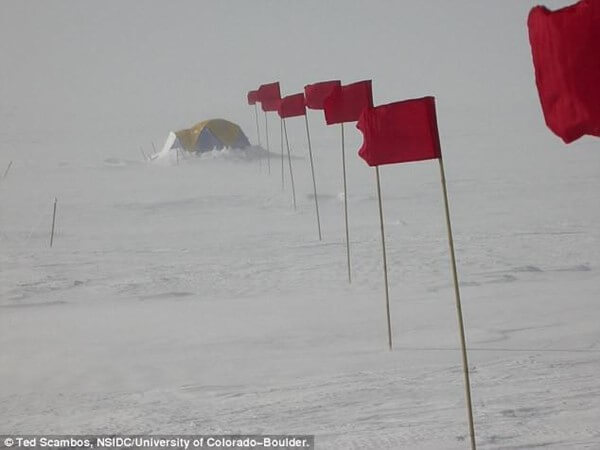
209, 135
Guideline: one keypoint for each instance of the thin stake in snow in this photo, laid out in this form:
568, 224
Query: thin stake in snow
7, 169
53, 223
268, 152
461, 327
154, 147
312, 170
287, 143
257, 127
346, 206
258, 136
383, 253
281, 135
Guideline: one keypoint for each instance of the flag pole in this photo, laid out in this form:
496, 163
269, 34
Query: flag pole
257, 127
258, 135
281, 135
267, 134
290, 163
346, 207
461, 327
383, 253
53, 222
312, 170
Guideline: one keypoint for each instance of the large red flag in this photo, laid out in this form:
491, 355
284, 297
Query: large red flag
269, 96
316, 93
565, 45
400, 132
292, 106
345, 103
252, 97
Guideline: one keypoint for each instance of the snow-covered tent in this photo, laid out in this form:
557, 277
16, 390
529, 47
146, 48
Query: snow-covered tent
206, 136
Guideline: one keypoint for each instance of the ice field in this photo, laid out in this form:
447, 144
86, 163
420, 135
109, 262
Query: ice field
192, 297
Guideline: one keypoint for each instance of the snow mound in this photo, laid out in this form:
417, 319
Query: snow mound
173, 156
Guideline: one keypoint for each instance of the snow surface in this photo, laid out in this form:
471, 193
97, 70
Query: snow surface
192, 298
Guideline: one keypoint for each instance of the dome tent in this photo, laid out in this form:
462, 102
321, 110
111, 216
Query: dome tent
208, 135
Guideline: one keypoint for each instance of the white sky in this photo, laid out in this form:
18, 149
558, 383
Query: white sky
124, 71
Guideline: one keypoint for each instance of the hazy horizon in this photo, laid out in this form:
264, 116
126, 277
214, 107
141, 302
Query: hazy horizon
112, 76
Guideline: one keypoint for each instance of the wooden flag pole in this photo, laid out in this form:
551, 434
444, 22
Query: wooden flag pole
461, 327
53, 222
268, 152
281, 135
258, 137
385, 271
257, 128
346, 207
312, 170
287, 144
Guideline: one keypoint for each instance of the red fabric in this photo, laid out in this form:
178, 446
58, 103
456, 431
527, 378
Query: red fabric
317, 93
252, 97
292, 106
345, 103
270, 105
565, 45
400, 132
269, 96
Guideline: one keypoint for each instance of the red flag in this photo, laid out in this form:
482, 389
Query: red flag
270, 105
252, 97
269, 96
317, 93
400, 132
345, 103
565, 45
292, 106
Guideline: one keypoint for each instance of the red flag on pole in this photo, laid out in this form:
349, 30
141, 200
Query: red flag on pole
565, 45
269, 96
292, 106
317, 93
252, 97
346, 103
403, 132
400, 132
